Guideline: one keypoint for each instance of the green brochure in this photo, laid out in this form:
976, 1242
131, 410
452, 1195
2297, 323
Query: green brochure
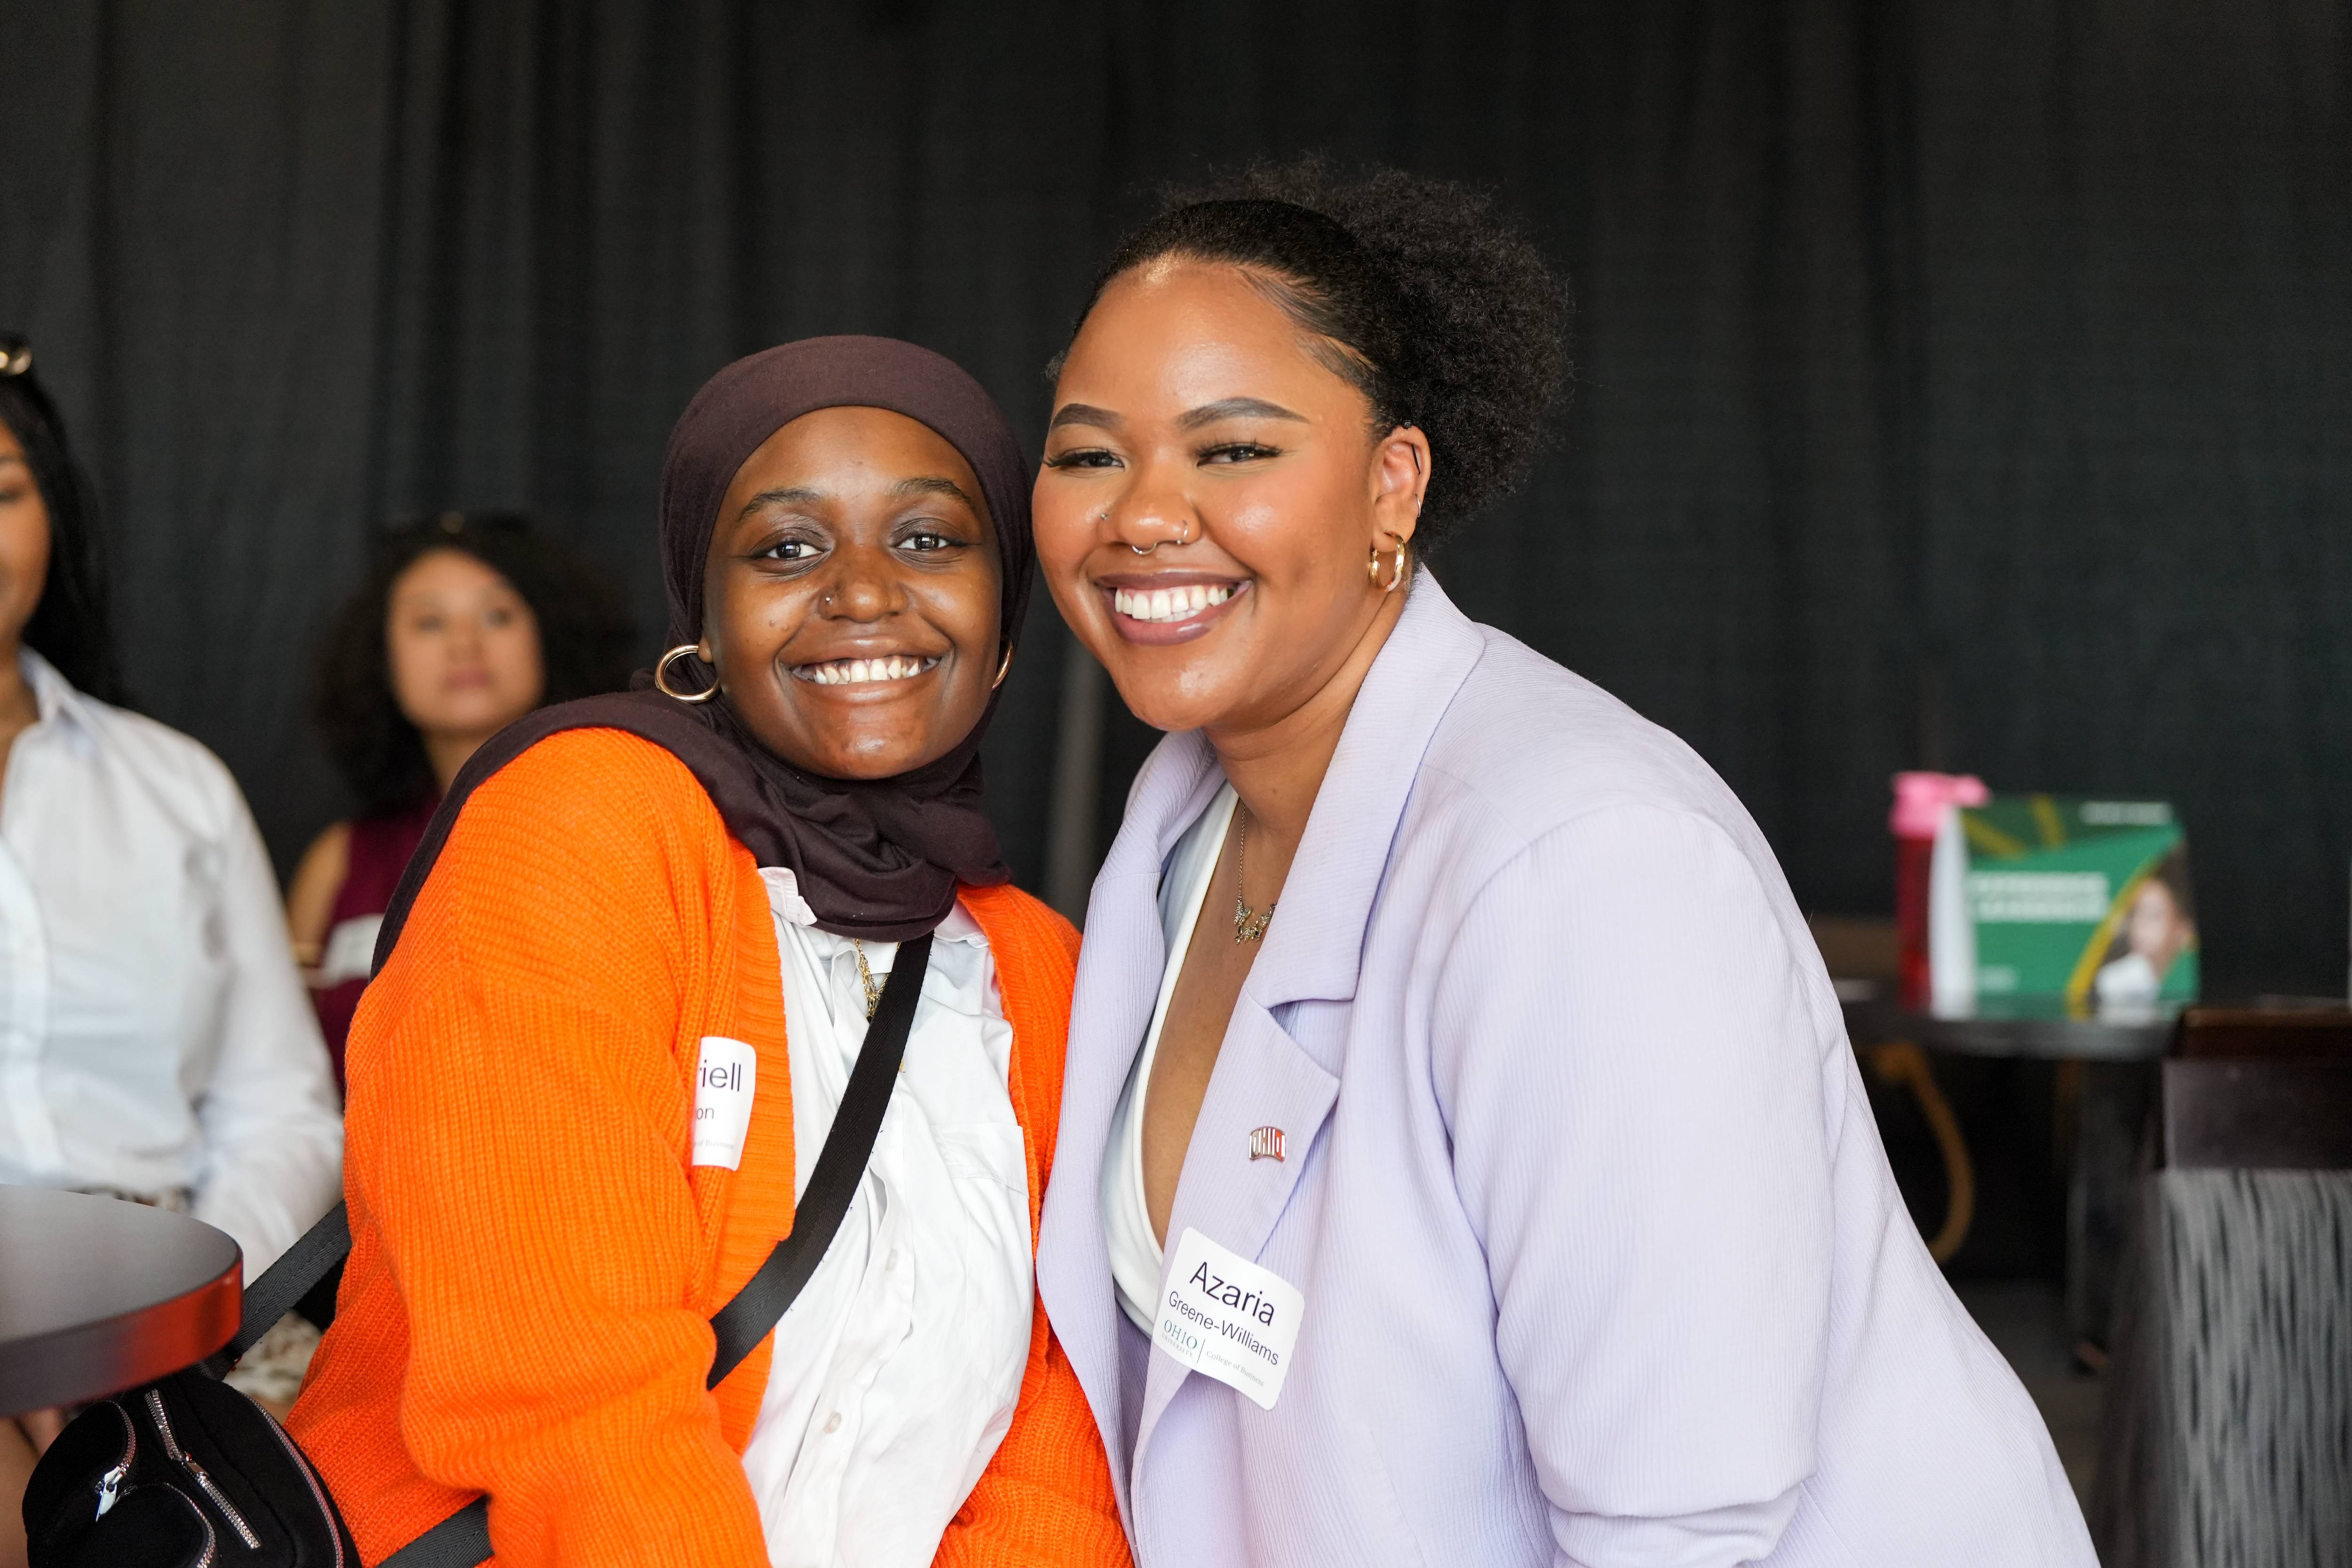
2048, 900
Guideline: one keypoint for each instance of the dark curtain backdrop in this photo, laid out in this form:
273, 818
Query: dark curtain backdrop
1958, 385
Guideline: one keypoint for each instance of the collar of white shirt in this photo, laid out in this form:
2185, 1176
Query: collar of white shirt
56, 699
784, 899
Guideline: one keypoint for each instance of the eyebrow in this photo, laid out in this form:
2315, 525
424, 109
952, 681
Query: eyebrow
931, 485
1236, 408
1084, 414
796, 495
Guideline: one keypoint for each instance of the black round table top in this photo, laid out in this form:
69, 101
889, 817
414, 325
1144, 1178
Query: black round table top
98, 1295
2012, 1027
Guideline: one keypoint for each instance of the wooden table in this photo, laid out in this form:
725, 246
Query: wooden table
98, 1295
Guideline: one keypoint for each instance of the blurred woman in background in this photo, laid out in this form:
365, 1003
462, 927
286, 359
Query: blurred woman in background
155, 1041
464, 624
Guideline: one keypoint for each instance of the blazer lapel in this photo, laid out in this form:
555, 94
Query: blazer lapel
1231, 1191
1265, 1077
1119, 967
1313, 946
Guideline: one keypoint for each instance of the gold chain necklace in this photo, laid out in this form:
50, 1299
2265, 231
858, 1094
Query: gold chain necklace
865, 978
1249, 924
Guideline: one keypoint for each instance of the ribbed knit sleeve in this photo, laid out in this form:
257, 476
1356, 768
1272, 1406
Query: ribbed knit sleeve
520, 1076
1047, 1497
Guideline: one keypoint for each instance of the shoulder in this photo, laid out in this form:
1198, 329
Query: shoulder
607, 815
176, 770
1544, 746
328, 854
588, 781
591, 855
1021, 927
153, 747
1531, 753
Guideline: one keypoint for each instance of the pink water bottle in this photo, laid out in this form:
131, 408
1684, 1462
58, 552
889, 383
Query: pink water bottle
1921, 800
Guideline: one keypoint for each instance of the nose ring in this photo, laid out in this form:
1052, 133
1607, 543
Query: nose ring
1183, 537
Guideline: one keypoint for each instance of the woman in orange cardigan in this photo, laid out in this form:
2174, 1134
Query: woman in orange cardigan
626, 900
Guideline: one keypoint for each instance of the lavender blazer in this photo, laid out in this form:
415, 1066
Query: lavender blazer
1603, 1262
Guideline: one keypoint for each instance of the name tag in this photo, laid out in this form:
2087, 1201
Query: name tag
723, 1082
1223, 1316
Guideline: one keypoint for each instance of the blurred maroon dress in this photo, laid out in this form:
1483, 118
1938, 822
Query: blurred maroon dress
380, 847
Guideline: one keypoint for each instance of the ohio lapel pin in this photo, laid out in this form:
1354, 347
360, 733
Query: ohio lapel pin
1266, 1143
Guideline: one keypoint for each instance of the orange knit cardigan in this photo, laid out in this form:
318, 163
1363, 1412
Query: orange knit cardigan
534, 1263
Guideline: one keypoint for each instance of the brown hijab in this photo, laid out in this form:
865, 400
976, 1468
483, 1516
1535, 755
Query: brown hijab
874, 858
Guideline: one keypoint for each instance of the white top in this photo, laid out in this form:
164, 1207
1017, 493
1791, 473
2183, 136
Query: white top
153, 1033
896, 1371
1137, 1258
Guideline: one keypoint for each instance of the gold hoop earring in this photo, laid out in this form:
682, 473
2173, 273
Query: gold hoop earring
1003, 670
1396, 567
661, 678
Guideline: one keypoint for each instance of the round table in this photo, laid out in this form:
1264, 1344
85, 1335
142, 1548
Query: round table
1894, 1041
2018, 1028
98, 1295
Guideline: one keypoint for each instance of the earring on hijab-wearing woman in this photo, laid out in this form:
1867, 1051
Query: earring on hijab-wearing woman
1396, 567
1003, 670
661, 678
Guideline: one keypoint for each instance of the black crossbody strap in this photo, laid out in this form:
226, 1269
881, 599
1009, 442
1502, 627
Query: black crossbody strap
460, 1540
757, 1307
463, 1540
283, 1283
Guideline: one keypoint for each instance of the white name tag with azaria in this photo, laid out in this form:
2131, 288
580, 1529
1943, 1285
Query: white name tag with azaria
1222, 1315
724, 1081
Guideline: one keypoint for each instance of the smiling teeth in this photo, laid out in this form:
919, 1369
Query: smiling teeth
1168, 603
859, 671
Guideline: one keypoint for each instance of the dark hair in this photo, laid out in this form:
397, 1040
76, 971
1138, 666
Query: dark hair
1442, 314
585, 635
73, 623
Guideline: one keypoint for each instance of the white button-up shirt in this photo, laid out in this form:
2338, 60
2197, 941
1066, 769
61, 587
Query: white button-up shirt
896, 1371
153, 1032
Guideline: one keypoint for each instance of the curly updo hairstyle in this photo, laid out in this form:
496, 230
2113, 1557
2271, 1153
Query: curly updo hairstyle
585, 638
1414, 291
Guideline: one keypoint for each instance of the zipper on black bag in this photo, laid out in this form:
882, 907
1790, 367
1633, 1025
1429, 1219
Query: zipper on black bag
109, 1485
311, 1479
196, 1472
212, 1539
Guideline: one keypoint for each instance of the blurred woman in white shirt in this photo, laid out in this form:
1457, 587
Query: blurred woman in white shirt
155, 1043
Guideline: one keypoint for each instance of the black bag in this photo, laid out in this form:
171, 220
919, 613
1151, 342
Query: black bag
186, 1472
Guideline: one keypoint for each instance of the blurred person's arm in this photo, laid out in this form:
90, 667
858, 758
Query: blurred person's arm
311, 897
273, 1133
18, 1458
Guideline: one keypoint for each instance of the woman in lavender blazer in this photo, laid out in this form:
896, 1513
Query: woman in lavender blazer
1494, 1185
